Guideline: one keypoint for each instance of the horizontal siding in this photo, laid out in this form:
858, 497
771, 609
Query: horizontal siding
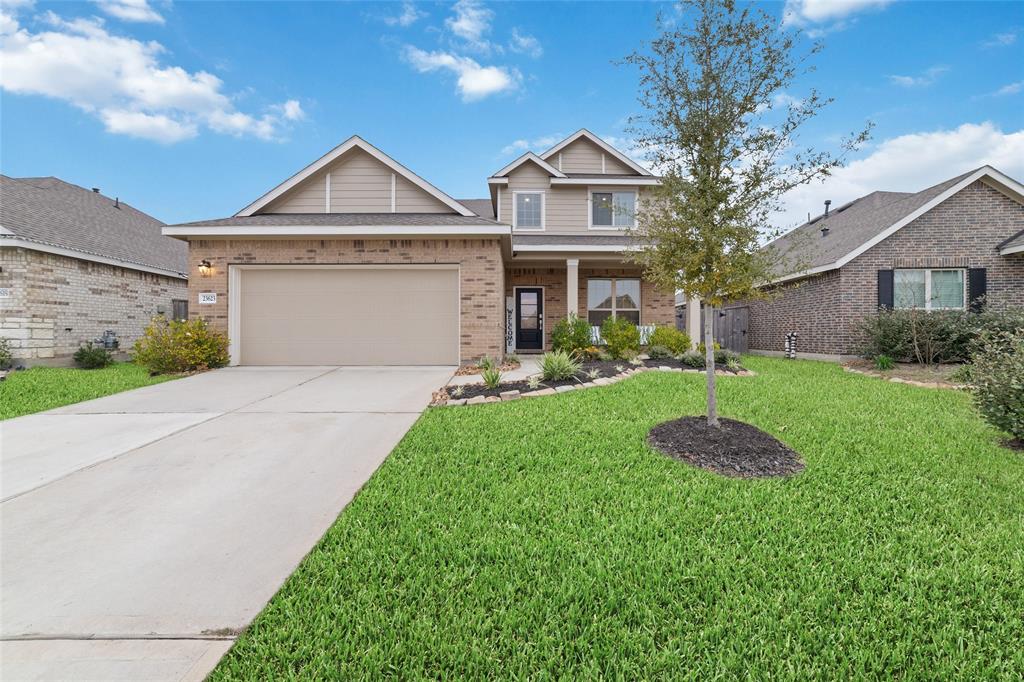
582, 156
412, 199
308, 196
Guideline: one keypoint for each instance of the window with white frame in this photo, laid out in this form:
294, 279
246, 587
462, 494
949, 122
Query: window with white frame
612, 209
929, 289
528, 211
613, 298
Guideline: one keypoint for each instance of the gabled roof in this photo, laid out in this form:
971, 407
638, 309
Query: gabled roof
529, 156
861, 224
591, 137
51, 215
482, 207
1014, 244
354, 142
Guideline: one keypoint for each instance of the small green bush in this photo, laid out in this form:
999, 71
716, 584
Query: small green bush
677, 342
940, 336
724, 356
714, 346
558, 366
491, 377
693, 359
89, 356
571, 335
6, 357
660, 353
962, 375
997, 375
621, 337
884, 362
170, 347
485, 363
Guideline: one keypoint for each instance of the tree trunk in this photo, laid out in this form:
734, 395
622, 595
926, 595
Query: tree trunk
709, 363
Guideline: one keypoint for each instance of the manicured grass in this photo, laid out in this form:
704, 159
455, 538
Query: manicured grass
543, 538
44, 388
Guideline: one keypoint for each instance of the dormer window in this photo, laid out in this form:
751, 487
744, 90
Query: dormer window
615, 210
528, 211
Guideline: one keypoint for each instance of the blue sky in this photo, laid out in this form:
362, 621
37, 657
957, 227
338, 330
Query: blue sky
190, 110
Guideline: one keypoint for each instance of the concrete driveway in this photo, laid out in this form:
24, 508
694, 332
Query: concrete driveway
141, 531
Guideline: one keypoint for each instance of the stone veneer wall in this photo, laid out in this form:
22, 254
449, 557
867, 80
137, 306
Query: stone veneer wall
656, 307
481, 275
58, 302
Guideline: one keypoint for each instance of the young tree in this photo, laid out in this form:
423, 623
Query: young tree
722, 130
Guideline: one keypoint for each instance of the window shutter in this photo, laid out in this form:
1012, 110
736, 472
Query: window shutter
976, 286
885, 288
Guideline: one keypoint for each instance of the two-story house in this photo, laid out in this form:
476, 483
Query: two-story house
356, 260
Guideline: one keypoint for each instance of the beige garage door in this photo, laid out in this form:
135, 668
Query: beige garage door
312, 315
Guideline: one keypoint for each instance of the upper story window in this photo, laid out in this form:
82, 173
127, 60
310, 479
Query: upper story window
613, 209
528, 210
929, 289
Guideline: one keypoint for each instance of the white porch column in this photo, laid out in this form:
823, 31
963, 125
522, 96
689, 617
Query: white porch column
572, 285
693, 327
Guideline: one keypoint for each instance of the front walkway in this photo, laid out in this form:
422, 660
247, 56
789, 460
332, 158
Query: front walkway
142, 531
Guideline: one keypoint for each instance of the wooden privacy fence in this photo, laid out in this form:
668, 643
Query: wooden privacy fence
730, 327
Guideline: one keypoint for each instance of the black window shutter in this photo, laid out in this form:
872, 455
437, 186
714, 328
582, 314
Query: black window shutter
885, 288
976, 286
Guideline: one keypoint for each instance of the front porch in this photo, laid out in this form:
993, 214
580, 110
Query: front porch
539, 294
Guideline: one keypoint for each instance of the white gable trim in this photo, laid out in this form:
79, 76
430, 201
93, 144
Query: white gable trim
530, 156
583, 132
353, 142
983, 172
1007, 250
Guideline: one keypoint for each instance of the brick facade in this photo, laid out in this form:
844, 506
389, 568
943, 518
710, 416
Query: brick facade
57, 303
656, 306
481, 275
961, 232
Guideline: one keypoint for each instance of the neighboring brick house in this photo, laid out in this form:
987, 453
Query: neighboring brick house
357, 260
959, 244
75, 263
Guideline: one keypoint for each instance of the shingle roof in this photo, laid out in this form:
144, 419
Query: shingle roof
571, 240
341, 220
1013, 242
56, 213
482, 207
850, 226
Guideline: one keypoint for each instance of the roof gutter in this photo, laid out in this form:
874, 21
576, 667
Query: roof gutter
380, 231
21, 243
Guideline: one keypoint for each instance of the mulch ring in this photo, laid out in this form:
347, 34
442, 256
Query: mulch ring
734, 449
603, 368
1014, 444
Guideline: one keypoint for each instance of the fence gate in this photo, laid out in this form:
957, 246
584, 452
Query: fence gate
730, 326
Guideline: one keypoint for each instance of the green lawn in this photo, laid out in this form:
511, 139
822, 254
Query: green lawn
44, 388
543, 538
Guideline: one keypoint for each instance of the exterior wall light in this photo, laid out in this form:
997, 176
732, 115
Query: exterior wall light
205, 268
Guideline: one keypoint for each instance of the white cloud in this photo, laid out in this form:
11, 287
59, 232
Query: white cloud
525, 44
123, 83
910, 163
474, 82
291, 110
471, 23
131, 10
1011, 89
804, 12
1001, 39
537, 144
409, 16
923, 80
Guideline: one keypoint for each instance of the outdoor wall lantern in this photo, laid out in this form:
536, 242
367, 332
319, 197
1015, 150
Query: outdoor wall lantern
205, 268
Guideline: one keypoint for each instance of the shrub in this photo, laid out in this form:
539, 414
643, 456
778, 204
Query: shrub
621, 337
675, 341
997, 374
491, 377
930, 337
714, 346
6, 357
660, 353
693, 359
962, 375
558, 366
594, 374
734, 364
89, 356
485, 363
571, 335
533, 382
175, 346
884, 362
724, 356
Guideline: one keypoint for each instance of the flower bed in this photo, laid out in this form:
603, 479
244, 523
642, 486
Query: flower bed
591, 374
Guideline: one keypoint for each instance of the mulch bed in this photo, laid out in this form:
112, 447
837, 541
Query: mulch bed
1014, 444
466, 370
607, 368
734, 449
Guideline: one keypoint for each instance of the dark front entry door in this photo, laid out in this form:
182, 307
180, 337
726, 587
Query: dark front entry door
530, 319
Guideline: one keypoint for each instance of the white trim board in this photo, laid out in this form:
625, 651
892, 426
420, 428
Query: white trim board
235, 293
584, 133
569, 248
530, 156
982, 173
82, 255
1005, 251
354, 142
627, 181
355, 231
543, 210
